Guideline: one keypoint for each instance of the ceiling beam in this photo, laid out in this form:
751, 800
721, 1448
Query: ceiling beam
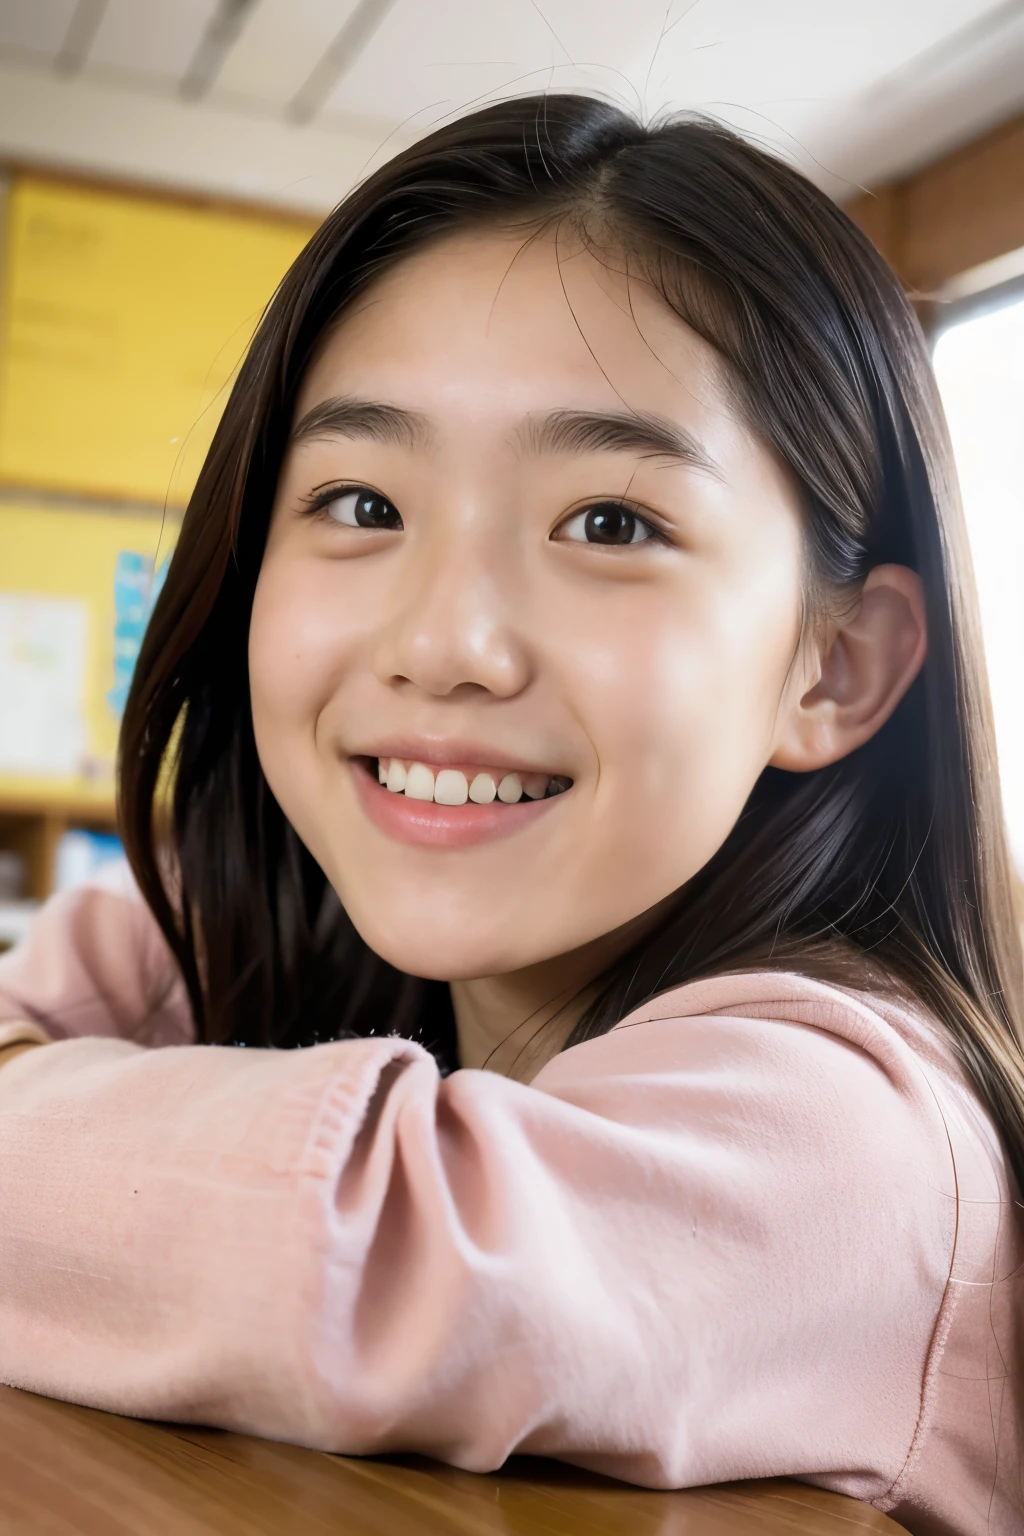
338, 59
80, 36
219, 37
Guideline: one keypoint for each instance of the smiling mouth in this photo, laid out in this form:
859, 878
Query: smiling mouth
459, 786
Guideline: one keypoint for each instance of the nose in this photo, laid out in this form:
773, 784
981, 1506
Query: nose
455, 619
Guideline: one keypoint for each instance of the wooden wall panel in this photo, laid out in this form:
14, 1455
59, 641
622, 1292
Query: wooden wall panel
965, 209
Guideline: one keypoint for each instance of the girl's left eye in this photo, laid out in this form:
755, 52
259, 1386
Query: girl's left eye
362, 508
608, 522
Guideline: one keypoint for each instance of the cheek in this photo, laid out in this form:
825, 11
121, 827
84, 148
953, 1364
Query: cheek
299, 643
682, 707
279, 677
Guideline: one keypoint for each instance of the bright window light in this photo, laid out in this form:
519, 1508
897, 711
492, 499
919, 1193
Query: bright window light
980, 365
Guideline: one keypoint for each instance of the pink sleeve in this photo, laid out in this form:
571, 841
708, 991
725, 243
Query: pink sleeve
94, 962
694, 1249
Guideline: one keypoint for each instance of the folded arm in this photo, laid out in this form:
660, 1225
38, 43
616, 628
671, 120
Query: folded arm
694, 1249
94, 962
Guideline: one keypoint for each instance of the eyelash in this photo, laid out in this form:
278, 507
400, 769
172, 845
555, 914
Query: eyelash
655, 534
316, 505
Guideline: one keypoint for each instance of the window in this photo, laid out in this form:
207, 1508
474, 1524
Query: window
979, 360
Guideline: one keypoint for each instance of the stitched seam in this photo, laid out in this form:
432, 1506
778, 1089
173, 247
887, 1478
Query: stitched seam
940, 1336
929, 1393
322, 1156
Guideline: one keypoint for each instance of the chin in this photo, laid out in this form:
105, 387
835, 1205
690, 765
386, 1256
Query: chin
434, 955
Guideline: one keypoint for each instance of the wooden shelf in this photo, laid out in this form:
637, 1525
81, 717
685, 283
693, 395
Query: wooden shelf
93, 810
33, 823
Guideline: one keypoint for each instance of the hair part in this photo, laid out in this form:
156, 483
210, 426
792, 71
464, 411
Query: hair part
885, 870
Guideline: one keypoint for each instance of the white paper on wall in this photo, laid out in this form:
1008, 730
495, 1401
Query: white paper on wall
42, 684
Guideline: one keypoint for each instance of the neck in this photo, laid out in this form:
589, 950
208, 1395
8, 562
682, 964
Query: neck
516, 1022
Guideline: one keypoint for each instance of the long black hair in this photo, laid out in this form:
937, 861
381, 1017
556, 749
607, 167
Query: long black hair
888, 867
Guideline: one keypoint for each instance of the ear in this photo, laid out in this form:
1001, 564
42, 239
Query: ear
864, 665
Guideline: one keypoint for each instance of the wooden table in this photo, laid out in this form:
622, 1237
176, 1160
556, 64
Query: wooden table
72, 1471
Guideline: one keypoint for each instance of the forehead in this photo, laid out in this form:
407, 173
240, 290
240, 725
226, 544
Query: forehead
493, 322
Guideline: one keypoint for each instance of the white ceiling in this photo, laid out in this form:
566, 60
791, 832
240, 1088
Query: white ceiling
292, 100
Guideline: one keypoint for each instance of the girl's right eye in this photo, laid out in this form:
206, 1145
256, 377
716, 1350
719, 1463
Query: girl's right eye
362, 508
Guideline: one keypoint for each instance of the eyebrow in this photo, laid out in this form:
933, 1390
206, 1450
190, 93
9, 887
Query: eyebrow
345, 416
558, 431
634, 432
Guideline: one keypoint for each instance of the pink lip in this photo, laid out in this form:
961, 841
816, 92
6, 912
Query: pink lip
426, 825
452, 753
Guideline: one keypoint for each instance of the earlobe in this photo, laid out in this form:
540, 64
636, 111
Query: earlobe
868, 660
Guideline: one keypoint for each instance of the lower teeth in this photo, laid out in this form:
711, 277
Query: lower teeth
556, 786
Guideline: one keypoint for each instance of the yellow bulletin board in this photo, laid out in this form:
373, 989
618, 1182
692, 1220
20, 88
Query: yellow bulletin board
48, 553
123, 318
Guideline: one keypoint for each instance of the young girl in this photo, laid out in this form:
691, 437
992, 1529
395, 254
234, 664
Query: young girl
566, 668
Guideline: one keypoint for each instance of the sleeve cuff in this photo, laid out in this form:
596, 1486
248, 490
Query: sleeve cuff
22, 1032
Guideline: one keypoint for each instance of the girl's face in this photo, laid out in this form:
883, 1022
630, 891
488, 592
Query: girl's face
522, 542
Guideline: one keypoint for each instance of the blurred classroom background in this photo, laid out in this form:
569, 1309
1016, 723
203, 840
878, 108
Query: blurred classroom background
163, 161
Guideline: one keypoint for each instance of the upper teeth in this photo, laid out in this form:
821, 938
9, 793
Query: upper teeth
450, 786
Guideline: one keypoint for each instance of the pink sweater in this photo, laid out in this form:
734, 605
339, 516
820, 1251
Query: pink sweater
762, 1227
